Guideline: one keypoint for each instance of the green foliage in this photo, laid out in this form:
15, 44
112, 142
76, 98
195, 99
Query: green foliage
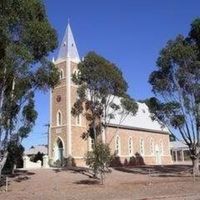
36, 157
129, 105
15, 154
100, 82
26, 38
176, 82
100, 75
99, 159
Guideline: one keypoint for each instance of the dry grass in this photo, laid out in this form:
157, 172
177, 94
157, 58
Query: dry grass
49, 184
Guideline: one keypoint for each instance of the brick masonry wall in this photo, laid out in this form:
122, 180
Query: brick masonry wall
136, 136
80, 146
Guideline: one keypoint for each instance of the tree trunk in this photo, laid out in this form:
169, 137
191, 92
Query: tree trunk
3, 162
195, 165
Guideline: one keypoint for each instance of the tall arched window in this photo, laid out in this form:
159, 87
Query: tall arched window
59, 118
141, 146
161, 147
91, 144
61, 74
117, 145
130, 146
151, 146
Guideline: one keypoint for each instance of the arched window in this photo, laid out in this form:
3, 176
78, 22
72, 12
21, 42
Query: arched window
151, 147
61, 74
59, 118
91, 144
59, 143
161, 147
141, 146
130, 146
117, 145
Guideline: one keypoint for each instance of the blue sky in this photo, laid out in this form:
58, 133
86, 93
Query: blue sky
129, 33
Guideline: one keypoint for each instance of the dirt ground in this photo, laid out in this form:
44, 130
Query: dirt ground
169, 182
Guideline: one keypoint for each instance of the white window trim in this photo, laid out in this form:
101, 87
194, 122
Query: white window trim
161, 147
90, 144
142, 142
57, 118
130, 139
119, 145
152, 151
62, 76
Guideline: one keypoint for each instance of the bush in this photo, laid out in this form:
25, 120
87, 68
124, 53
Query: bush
57, 163
99, 159
116, 162
69, 162
132, 161
139, 159
38, 156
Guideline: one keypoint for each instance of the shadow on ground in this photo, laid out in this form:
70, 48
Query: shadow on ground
21, 175
161, 171
88, 182
17, 176
77, 170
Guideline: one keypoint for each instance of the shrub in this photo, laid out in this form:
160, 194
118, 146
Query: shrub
116, 162
99, 159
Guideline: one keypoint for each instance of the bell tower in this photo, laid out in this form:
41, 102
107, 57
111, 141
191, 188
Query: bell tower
62, 98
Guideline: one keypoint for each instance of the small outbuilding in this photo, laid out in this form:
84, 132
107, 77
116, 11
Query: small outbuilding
180, 152
36, 149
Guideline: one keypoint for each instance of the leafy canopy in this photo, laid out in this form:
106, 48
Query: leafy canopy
99, 83
26, 38
176, 83
99, 159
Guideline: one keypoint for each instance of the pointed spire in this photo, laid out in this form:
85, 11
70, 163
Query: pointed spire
68, 46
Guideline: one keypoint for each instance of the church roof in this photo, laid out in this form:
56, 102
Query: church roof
142, 120
68, 47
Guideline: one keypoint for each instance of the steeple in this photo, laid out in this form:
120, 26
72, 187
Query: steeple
68, 46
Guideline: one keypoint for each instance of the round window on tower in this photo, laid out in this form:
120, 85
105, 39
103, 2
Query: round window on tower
58, 98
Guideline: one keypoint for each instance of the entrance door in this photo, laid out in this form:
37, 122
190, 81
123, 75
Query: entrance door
59, 152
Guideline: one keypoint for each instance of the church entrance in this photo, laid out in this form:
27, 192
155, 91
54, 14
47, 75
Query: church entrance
59, 150
158, 155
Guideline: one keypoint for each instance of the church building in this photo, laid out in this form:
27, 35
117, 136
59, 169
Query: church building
135, 135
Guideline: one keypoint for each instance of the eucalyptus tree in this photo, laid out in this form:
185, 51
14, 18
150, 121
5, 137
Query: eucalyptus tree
100, 82
176, 84
26, 38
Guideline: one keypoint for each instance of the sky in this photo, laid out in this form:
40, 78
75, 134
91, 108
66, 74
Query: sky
130, 33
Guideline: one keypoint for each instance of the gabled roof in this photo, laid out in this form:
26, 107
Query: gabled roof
142, 120
68, 47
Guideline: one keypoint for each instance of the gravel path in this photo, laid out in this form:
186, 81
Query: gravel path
49, 184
